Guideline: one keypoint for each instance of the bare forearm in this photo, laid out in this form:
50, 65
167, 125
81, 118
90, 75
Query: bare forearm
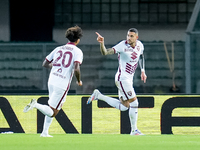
47, 64
77, 74
105, 51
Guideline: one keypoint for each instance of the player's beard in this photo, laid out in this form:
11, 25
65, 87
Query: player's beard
131, 43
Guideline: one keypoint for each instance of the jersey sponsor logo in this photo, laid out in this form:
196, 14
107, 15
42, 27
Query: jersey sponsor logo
128, 50
59, 75
59, 70
134, 55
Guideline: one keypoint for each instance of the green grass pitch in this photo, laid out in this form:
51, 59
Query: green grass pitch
99, 142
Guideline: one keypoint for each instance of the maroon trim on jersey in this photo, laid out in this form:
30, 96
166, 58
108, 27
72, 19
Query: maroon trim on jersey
119, 68
119, 73
48, 60
63, 95
123, 90
71, 43
77, 62
65, 91
61, 99
114, 50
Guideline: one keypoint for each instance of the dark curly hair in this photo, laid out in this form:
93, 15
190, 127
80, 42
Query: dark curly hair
74, 33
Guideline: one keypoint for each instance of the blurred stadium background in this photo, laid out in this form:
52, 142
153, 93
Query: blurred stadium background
169, 29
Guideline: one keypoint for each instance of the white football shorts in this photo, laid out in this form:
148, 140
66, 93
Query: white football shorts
125, 89
57, 96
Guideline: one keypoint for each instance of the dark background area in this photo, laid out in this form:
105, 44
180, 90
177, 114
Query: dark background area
31, 20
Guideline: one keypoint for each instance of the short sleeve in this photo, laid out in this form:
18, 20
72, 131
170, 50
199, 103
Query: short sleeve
119, 47
79, 56
142, 47
49, 57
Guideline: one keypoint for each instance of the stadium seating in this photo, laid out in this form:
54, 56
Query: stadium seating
21, 68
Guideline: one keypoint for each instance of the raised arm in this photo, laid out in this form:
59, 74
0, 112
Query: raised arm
103, 49
142, 65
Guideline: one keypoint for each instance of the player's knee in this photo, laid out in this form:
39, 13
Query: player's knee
53, 115
127, 104
55, 112
124, 102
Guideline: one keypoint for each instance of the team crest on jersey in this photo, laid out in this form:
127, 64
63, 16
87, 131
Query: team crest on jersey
129, 93
138, 48
59, 70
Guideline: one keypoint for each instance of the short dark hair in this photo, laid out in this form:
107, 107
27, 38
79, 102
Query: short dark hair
74, 33
133, 30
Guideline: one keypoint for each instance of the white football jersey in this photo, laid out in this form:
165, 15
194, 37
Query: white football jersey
128, 59
63, 59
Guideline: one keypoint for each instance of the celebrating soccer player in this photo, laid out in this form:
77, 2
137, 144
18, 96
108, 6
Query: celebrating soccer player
64, 61
130, 52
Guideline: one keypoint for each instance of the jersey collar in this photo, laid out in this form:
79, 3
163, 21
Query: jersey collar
71, 43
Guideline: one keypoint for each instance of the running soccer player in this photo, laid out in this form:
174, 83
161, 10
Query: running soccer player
130, 52
64, 61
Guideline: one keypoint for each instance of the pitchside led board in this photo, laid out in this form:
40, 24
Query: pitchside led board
156, 115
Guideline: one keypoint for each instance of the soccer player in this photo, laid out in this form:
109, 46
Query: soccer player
64, 61
130, 52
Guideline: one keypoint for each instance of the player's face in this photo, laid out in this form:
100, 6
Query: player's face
131, 38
